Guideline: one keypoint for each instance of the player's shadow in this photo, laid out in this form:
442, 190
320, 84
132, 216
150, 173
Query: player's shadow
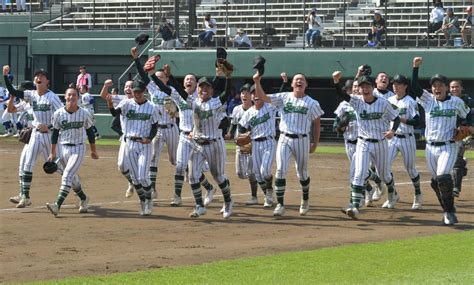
114, 213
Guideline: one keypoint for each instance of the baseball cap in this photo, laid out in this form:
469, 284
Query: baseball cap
252, 88
245, 87
26, 85
138, 85
204, 80
438, 77
240, 31
41, 72
259, 64
398, 78
365, 79
377, 12
348, 84
450, 9
313, 10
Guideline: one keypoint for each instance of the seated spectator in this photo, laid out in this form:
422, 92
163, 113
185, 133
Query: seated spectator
315, 29
466, 29
241, 39
168, 35
377, 29
210, 29
436, 18
450, 25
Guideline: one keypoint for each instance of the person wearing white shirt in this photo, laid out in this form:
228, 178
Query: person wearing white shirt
242, 40
315, 27
210, 29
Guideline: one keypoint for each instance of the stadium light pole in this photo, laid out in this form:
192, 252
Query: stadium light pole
265, 24
226, 22
386, 19
428, 24
126, 14
93, 15
304, 20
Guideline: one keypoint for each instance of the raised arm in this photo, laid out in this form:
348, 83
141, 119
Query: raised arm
138, 65
160, 84
285, 85
336, 77
179, 87
13, 92
416, 89
227, 93
104, 93
11, 106
258, 88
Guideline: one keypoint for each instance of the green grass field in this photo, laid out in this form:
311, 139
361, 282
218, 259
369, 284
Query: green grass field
439, 259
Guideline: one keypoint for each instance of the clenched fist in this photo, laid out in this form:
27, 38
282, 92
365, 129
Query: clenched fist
6, 69
336, 76
108, 83
417, 61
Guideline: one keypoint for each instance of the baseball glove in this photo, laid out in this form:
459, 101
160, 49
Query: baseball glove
244, 141
150, 63
25, 135
461, 132
341, 125
50, 167
226, 67
170, 107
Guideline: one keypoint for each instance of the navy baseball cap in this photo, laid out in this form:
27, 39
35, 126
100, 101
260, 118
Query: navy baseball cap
348, 84
438, 77
398, 78
138, 85
365, 79
245, 87
252, 88
42, 72
204, 80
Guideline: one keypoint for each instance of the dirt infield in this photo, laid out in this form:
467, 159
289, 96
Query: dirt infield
112, 237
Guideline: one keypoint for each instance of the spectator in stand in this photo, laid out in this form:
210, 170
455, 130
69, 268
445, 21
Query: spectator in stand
436, 18
168, 34
83, 78
450, 25
20, 6
315, 28
4, 5
378, 28
466, 29
241, 39
210, 29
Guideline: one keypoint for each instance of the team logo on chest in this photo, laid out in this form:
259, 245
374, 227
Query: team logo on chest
41, 107
402, 111
290, 108
133, 115
202, 114
370, 116
158, 101
438, 112
351, 115
184, 106
65, 125
256, 121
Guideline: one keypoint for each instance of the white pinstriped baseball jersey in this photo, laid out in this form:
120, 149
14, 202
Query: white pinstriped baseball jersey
407, 109
237, 114
206, 117
157, 98
374, 118
116, 99
261, 122
185, 111
138, 118
387, 95
87, 102
26, 113
440, 116
296, 113
351, 129
43, 106
72, 126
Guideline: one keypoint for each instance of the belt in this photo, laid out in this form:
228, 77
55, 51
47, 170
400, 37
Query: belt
186, 133
261, 139
403, 136
165, 126
71, 144
440, 143
352, 142
205, 141
133, 139
370, 140
295, 136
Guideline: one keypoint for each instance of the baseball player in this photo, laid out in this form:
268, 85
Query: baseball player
260, 121
403, 140
210, 146
441, 112
168, 132
350, 133
381, 83
183, 101
298, 113
243, 156
26, 116
139, 119
118, 126
87, 102
373, 116
44, 103
460, 170
68, 125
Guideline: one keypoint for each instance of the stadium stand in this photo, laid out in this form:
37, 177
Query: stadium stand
407, 19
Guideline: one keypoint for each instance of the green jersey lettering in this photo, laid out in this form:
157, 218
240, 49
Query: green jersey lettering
41, 107
290, 108
257, 121
437, 112
65, 125
132, 115
371, 116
